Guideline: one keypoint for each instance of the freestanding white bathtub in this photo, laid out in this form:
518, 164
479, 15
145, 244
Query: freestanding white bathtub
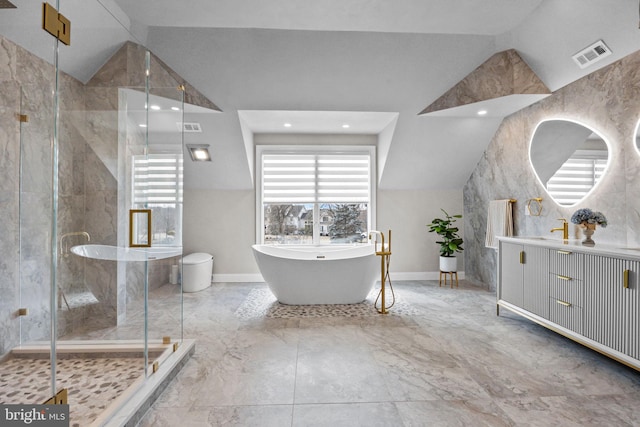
328, 274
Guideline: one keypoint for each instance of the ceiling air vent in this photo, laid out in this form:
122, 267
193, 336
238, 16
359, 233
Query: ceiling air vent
189, 127
591, 54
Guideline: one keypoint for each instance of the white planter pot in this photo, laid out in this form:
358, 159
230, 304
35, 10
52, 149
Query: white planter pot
448, 263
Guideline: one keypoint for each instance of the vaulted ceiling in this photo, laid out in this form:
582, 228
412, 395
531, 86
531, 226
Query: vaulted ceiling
359, 57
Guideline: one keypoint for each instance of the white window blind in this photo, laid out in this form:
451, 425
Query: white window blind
577, 176
157, 179
316, 178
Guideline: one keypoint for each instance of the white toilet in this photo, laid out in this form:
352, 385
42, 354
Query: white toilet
196, 271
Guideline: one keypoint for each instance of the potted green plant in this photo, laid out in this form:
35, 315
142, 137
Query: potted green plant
450, 242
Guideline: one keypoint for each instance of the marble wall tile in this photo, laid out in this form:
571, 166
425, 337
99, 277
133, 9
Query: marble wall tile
9, 268
71, 217
157, 276
36, 138
135, 281
35, 72
101, 98
35, 292
606, 101
114, 72
101, 279
126, 68
70, 274
8, 60
35, 226
88, 184
503, 74
71, 154
9, 135
24, 240
101, 216
9, 271
102, 154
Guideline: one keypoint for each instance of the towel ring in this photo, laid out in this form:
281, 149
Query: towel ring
534, 206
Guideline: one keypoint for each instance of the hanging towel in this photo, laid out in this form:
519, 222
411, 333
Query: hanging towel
499, 222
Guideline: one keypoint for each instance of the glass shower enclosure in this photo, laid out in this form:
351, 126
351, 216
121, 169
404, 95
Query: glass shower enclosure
91, 183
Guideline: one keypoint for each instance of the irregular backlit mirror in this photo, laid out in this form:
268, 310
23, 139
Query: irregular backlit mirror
568, 158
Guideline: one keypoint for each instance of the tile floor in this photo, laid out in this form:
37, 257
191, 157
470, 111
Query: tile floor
443, 359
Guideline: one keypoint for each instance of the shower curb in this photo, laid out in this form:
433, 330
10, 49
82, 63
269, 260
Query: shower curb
130, 414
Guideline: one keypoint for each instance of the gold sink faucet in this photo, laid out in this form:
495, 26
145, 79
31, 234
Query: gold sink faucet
564, 229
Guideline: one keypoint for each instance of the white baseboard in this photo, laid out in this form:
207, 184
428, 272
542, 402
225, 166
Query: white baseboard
247, 278
419, 275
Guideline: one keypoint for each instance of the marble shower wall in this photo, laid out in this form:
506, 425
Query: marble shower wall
125, 69
25, 243
26, 84
608, 100
88, 191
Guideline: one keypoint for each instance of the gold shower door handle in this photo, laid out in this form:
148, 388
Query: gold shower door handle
139, 228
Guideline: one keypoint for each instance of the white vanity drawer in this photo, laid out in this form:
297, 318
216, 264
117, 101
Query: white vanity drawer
567, 289
566, 263
565, 314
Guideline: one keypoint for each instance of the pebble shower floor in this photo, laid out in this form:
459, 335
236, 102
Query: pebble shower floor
92, 383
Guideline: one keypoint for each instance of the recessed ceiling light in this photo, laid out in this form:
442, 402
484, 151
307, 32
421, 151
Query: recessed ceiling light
142, 125
345, 126
482, 112
287, 125
175, 108
199, 152
155, 107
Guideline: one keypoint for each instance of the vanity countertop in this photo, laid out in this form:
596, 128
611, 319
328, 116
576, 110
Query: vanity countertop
575, 245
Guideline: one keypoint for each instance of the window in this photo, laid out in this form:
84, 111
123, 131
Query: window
577, 176
315, 195
157, 185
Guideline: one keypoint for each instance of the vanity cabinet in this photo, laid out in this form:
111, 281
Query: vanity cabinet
524, 277
612, 303
588, 294
566, 289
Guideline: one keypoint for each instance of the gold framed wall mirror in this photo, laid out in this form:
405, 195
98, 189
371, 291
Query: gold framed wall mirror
139, 228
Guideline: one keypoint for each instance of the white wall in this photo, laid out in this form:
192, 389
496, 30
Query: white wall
406, 213
222, 223
314, 139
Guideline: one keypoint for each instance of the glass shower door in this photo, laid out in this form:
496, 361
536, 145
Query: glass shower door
36, 219
160, 190
26, 260
152, 172
67, 186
